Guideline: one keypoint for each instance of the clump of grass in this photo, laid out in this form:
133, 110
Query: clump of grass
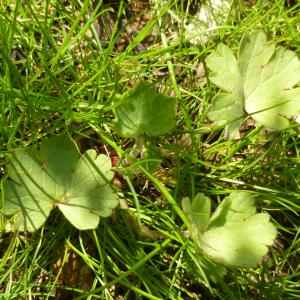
62, 66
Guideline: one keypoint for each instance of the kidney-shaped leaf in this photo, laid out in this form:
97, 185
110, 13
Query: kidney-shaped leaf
260, 82
236, 235
58, 175
143, 110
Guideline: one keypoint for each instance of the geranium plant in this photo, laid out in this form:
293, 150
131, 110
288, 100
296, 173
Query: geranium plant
57, 176
234, 234
258, 82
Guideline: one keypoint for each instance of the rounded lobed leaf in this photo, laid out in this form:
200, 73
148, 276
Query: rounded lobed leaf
259, 82
58, 176
235, 235
143, 110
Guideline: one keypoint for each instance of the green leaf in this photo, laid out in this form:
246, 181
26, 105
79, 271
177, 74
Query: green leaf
260, 82
142, 111
58, 175
227, 107
198, 212
235, 235
224, 69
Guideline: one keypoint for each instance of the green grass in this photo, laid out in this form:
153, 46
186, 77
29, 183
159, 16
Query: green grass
58, 74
